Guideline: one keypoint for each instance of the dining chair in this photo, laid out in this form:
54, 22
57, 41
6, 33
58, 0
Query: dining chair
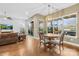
43, 40
59, 41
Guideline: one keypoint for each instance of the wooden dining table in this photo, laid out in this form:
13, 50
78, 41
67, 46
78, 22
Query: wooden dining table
51, 36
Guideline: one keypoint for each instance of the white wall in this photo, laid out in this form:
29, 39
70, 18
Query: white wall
17, 24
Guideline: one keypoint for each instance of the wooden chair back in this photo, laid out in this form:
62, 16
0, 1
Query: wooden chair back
62, 37
41, 36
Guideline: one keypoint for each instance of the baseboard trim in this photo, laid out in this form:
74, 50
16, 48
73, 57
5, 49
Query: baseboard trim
71, 45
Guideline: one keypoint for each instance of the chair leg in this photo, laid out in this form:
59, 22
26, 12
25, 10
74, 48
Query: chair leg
44, 47
39, 44
60, 49
54, 47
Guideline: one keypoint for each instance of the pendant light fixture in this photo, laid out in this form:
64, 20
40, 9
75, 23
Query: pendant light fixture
5, 15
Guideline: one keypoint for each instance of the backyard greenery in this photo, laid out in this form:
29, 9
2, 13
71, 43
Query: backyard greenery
6, 26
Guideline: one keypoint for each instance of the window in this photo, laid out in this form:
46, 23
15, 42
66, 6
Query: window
55, 24
6, 27
60, 25
70, 25
50, 27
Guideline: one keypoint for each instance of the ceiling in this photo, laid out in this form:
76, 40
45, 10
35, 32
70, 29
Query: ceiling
25, 10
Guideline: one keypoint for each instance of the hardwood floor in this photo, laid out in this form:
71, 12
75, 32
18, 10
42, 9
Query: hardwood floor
30, 47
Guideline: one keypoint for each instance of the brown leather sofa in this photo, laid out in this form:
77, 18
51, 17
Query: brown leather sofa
7, 38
